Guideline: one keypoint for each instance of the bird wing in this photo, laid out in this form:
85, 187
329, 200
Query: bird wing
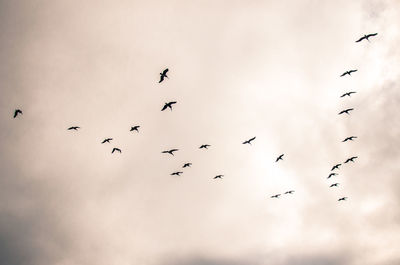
345, 73
173, 150
352, 71
161, 78
165, 107
165, 71
172, 102
373, 34
252, 139
363, 37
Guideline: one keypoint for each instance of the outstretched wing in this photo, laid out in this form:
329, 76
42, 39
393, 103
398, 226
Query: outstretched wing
371, 35
165, 107
165, 72
172, 102
360, 39
345, 73
161, 78
252, 139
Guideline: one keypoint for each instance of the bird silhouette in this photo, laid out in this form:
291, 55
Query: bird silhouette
116, 150
275, 196
135, 128
218, 177
349, 72
171, 151
349, 138
332, 174
187, 165
342, 199
289, 192
334, 185
346, 111
74, 128
249, 141
351, 159
168, 105
204, 146
107, 140
16, 112
348, 94
366, 37
279, 158
336, 167
178, 173
163, 75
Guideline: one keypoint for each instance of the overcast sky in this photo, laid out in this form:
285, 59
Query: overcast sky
237, 69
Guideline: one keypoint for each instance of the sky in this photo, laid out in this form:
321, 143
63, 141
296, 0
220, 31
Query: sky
237, 69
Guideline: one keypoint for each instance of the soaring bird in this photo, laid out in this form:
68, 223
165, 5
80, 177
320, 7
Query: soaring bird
135, 128
345, 111
289, 192
74, 128
367, 37
350, 159
349, 72
116, 150
275, 196
349, 138
334, 185
279, 158
336, 167
204, 146
163, 75
249, 141
348, 94
171, 152
187, 165
332, 174
178, 173
107, 140
168, 105
16, 112
342, 199
218, 177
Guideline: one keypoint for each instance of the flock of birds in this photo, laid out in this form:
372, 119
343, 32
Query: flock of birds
169, 105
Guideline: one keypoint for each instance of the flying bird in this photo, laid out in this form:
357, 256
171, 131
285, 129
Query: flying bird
135, 128
279, 158
275, 196
249, 141
171, 152
366, 37
218, 177
332, 174
116, 150
289, 192
187, 165
336, 167
74, 128
168, 105
349, 72
351, 159
345, 111
16, 112
348, 94
342, 199
107, 140
334, 185
163, 75
178, 173
204, 146
349, 138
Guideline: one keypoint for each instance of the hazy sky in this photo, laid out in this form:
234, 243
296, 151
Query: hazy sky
238, 69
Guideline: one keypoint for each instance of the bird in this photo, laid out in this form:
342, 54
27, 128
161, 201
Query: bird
107, 140
249, 141
336, 167
366, 37
349, 72
349, 138
345, 111
74, 128
342, 199
348, 94
351, 159
334, 185
16, 112
187, 165
163, 75
204, 146
218, 177
279, 158
135, 128
168, 105
116, 150
275, 196
178, 173
289, 192
332, 174
171, 152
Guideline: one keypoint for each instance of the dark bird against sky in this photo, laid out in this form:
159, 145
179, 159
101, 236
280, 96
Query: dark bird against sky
351, 159
366, 37
349, 72
218, 177
178, 173
332, 174
171, 151
74, 128
187, 165
279, 158
204, 146
275, 196
336, 167
168, 105
348, 94
347, 111
289, 192
16, 112
135, 128
249, 141
349, 138
163, 75
107, 140
342, 199
115, 149
334, 185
